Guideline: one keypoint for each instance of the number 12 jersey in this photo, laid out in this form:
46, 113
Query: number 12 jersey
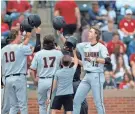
88, 51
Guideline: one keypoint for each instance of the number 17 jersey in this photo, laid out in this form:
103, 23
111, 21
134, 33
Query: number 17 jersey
96, 51
46, 62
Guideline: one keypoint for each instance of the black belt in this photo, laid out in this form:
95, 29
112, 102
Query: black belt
45, 77
88, 72
75, 80
93, 72
18, 74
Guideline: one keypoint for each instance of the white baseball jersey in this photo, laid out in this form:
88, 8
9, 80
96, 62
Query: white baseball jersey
14, 59
46, 62
87, 50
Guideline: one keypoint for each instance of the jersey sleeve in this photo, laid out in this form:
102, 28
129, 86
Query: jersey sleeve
79, 47
26, 49
74, 69
104, 52
34, 63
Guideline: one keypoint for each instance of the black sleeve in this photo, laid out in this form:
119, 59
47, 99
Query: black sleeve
38, 43
78, 55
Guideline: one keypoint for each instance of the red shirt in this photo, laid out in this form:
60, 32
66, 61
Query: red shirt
123, 85
21, 6
4, 27
132, 57
111, 46
129, 26
67, 10
15, 23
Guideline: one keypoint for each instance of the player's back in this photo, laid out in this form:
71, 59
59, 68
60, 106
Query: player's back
64, 79
48, 61
14, 59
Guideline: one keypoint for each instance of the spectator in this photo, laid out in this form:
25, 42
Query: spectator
104, 13
127, 26
3, 12
94, 15
70, 11
107, 31
110, 10
132, 63
119, 50
114, 42
109, 82
103, 4
120, 69
131, 47
122, 5
16, 23
4, 29
127, 82
17, 7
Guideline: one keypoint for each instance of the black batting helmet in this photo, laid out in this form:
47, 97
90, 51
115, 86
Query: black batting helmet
25, 26
71, 42
58, 22
34, 20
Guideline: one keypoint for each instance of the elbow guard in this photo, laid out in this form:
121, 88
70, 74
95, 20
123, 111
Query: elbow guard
107, 60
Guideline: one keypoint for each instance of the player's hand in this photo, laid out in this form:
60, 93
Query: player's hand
89, 59
38, 30
60, 33
28, 34
57, 48
48, 101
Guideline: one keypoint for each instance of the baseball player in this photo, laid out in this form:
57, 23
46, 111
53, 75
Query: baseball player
14, 68
94, 56
6, 104
45, 63
63, 82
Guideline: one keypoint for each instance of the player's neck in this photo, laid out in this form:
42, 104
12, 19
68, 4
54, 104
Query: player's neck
93, 42
14, 42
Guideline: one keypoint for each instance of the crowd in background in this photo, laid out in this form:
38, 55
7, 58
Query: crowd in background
116, 21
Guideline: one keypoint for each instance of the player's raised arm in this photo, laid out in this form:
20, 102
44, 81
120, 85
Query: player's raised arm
27, 38
62, 38
38, 42
75, 57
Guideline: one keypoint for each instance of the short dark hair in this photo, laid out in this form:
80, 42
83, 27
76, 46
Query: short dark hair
12, 35
66, 60
115, 33
97, 31
48, 42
